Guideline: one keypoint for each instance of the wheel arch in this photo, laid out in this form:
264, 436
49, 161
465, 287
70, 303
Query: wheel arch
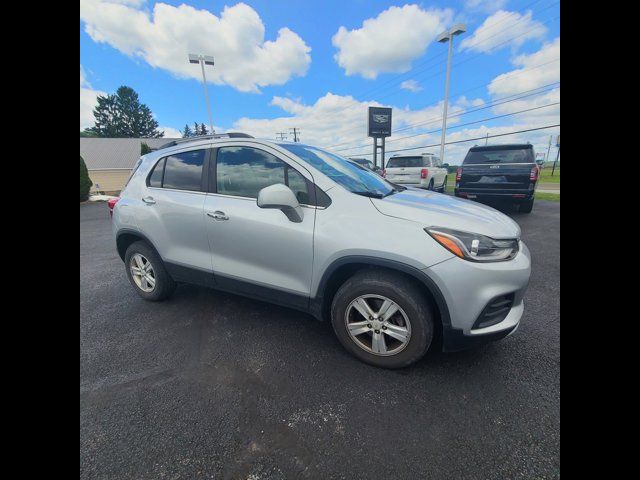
126, 237
343, 268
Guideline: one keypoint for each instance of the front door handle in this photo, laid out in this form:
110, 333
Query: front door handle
148, 200
218, 215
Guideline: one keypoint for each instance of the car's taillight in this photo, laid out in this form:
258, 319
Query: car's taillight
384, 172
458, 173
112, 203
534, 173
423, 173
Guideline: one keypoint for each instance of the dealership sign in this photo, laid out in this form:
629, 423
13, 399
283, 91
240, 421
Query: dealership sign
379, 122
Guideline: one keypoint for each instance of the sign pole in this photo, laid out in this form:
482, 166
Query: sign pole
382, 157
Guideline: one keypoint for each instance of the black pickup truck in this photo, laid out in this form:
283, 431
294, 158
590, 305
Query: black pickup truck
499, 172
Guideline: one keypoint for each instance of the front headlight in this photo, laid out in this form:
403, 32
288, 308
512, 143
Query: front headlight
474, 247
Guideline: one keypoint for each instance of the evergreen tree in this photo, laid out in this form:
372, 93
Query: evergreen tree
187, 132
196, 129
85, 181
122, 115
203, 129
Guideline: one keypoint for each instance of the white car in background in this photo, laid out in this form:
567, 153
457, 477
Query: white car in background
423, 171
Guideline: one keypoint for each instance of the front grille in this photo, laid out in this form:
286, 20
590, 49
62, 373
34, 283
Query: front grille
495, 311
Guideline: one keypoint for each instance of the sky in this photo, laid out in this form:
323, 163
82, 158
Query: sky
317, 66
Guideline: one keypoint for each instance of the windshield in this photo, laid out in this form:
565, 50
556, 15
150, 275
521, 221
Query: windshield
515, 155
354, 178
403, 162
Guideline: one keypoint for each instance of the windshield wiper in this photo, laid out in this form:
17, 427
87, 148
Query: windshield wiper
370, 194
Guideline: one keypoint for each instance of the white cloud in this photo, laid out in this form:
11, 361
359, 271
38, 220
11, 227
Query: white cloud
165, 36
537, 69
341, 121
170, 132
411, 85
390, 41
486, 6
499, 28
88, 101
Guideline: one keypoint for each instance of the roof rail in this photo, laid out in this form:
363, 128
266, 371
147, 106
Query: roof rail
178, 141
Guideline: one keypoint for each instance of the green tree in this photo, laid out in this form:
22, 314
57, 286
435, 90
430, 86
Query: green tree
187, 132
196, 129
85, 181
122, 115
203, 129
85, 133
144, 149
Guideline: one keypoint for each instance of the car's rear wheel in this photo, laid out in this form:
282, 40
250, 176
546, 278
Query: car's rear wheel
430, 187
146, 272
526, 207
443, 189
382, 318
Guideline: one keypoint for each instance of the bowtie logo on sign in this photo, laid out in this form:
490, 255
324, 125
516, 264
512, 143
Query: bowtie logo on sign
381, 118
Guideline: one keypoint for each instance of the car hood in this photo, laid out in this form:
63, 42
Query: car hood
433, 209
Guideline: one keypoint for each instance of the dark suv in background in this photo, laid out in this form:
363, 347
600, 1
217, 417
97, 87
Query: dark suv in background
499, 172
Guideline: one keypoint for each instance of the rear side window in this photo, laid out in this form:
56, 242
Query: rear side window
183, 171
517, 155
404, 162
155, 179
244, 171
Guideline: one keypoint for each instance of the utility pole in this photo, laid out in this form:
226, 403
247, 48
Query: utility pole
204, 60
557, 156
281, 135
296, 132
548, 149
443, 38
486, 140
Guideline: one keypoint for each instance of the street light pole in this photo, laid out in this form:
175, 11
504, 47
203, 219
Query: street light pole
202, 60
443, 38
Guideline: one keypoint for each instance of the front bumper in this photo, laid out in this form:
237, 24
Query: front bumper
468, 287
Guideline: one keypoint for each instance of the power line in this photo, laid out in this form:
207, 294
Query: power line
461, 125
464, 141
505, 76
461, 112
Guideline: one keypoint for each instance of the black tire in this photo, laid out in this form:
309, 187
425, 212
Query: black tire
164, 286
443, 189
405, 294
430, 187
526, 207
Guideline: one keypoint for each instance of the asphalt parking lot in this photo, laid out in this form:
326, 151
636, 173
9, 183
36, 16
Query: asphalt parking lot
212, 385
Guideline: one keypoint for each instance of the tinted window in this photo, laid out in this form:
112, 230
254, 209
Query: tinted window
244, 171
183, 171
404, 162
155, 179
298, 184
354, 178
503, 155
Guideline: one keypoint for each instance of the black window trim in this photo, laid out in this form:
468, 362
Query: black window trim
311, 187
203, 176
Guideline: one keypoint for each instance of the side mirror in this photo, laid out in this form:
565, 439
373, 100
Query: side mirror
281, 197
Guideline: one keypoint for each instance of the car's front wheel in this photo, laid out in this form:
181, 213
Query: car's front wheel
146, 272
382, 318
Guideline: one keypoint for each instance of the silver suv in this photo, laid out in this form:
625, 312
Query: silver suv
395, 269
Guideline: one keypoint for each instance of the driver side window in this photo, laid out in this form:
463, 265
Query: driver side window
244, 171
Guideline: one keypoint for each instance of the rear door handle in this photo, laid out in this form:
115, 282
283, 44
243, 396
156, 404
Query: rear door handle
148, 200
218, 215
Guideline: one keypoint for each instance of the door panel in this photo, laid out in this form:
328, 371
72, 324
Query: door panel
176, 226
171, 212
256, 245
260, 245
